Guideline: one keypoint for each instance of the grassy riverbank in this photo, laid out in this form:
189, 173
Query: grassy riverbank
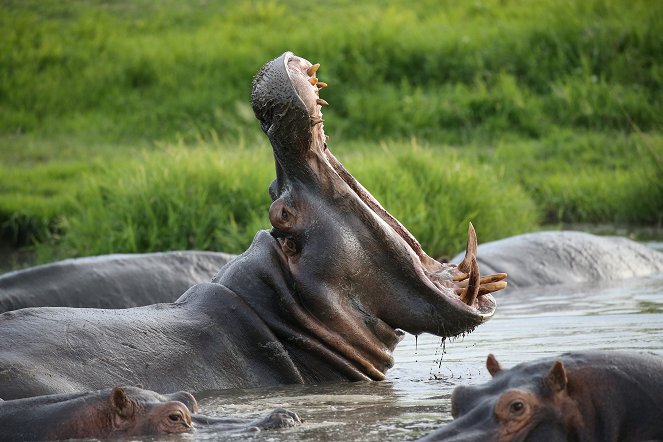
125, 126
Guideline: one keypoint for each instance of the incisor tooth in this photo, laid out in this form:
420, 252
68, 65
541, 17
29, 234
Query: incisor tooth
312, 70
313, 81
321, 102
322, 84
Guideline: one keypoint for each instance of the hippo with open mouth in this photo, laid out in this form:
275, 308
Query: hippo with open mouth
324, 296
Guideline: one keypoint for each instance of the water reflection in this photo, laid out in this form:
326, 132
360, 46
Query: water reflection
415, 399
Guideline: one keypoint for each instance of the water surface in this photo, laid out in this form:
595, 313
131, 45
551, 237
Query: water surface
625, 315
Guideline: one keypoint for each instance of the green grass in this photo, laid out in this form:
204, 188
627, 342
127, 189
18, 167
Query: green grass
126, 126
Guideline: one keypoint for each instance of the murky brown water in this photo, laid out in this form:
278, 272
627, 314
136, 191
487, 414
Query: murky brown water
415, 399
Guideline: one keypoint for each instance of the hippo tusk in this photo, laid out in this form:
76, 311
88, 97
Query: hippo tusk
469, 295
322, 84
470, 250
321, 102
313, 69
484, 279
313, 81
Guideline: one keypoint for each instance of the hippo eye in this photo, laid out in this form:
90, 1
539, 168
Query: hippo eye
516, 407
174, 417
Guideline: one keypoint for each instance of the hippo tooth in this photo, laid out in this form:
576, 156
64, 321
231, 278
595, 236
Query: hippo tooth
321, 102
461, 277
312, 70
313, 81
492, 287
485, 280
322, 84
469, 295
470, 250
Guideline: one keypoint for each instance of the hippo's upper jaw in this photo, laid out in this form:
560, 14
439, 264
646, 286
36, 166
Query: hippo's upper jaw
343, 251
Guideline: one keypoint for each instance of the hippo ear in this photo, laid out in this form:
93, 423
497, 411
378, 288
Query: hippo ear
121, 403
556, 379
492, 365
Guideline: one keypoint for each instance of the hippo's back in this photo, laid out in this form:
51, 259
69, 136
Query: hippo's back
109, 281
562, 257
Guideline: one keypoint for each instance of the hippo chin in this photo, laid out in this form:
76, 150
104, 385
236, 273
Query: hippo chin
323, 296
564, 257
109, 281
120, 412
580, 396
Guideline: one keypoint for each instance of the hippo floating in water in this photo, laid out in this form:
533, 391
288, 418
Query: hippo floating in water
580, 396
324, 296
547, 258
109, 281
119, 412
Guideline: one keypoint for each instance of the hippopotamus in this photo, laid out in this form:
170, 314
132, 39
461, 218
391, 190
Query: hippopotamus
579, 396
325, 295
566, 257
109, 281
119, 412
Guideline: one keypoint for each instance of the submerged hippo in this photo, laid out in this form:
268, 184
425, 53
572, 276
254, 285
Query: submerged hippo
118, 412
109, 281
580, 396
563, 257
323, 296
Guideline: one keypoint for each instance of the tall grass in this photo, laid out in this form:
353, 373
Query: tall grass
445, 71
203, 198
557, 104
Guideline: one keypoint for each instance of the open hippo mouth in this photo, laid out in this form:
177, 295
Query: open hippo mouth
313, 189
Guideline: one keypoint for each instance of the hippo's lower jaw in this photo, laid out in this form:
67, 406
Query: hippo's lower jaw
319, 205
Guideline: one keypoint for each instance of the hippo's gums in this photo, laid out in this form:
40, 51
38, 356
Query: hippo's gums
323, 296
581, 396
547, 258
109, 281
119, 412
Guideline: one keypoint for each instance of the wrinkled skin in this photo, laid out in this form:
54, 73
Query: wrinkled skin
580, 396
109, 281
566, 257
324, 296
120, 412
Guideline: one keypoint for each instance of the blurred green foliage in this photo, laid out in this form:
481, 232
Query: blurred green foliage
119, 119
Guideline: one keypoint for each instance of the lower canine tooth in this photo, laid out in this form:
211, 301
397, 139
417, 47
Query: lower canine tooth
321, 102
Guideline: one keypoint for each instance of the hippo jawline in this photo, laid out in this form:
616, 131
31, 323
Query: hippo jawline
290, 114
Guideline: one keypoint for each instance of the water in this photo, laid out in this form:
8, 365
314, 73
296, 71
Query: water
529, 324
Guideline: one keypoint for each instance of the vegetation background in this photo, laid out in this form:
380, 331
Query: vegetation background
125, 125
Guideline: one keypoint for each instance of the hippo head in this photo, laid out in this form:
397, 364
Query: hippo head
138, 412
355, 276
530, 402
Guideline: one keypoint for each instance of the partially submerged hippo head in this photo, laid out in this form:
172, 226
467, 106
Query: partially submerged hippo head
527, 403
136, 412
356, 271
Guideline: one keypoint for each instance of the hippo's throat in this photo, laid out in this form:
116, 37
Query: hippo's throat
358, 344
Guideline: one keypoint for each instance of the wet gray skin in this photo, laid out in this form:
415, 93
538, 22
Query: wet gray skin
121, 412
324, 296
566, 257
581, 396
109, 281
